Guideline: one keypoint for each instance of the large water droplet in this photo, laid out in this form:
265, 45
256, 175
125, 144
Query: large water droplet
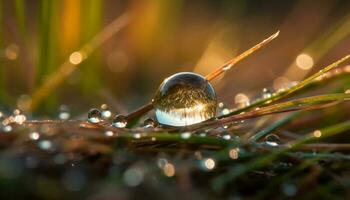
94, 116
120, 121
272, 140
183, 99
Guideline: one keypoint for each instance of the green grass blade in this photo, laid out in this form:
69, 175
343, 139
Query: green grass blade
280, 95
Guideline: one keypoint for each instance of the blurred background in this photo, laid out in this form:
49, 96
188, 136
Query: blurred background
143, 42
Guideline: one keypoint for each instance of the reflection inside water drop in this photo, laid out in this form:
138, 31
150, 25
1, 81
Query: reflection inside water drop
120, 121
183, 99
272, 140
94, 116
150, 123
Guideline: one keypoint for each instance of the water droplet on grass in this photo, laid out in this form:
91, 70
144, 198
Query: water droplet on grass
183, 99
120, 121
149, 123
266, 93
94, 116
272, 140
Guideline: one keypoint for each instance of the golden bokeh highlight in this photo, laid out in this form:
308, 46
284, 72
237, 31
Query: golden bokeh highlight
76, 58
234, 153
317, 133
169, 170
304, 61
209, 163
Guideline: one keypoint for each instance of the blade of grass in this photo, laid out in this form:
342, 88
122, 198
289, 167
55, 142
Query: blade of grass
308, 103
2, 68
279, 95
219, 182
91, 18
273, 127
58, 76
20, 13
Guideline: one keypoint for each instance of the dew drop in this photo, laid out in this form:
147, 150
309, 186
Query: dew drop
120, 121
106, 114
34, 136
137, 135
203, 134
266, 93
63, 112
225, 111
45, 144
109, 133
185, 135
226, 137
272, 140
183, 99
94, 116
149, 123
208, 164
7, 128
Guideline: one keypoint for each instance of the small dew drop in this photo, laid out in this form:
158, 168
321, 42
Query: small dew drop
109, 133
16, 112
120, 121
63, 112
20, 119
208, 163
106, 114
34, 136
266, 93
94, 116
226, 137
225, 111
272, 140
7, 128
137, 135
45, 144
185, 135
64, 115
150, 123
